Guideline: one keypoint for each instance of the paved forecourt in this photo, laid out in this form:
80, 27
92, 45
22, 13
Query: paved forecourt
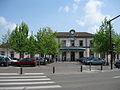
27, 81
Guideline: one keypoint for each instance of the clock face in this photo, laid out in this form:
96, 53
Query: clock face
72, 31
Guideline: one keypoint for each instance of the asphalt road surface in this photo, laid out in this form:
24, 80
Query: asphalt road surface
91, 81
109, 80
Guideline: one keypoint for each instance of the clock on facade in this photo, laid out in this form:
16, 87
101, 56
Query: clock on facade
72, 31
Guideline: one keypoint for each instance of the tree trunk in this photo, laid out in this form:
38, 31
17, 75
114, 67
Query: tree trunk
107, 59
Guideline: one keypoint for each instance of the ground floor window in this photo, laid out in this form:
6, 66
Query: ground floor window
81, 54
2, 52
12, 54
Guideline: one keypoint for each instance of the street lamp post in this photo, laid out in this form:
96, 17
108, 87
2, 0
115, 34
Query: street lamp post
111, 48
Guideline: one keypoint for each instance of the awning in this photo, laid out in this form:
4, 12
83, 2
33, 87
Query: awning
72, 48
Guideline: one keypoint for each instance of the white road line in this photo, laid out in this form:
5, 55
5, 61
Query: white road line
12, 80
6, 77
9, 73
26, 83
30, 88
116, 77
39, 87
23, 74
33, 73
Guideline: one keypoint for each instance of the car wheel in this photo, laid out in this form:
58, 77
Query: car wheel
2, 64
34, 65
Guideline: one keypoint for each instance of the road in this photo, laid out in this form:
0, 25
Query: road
92, 81
83, 81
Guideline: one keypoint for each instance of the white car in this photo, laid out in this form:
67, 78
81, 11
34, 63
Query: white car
10, 60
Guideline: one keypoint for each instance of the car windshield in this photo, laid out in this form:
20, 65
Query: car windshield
1, 58
37, 58
40, 59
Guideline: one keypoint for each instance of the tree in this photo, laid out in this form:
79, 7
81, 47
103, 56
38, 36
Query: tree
5, 42
117, 43
46, 42
18, 38
31, 46
101, 39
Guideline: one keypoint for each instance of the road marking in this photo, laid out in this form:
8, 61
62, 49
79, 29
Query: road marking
9, 73
11, 77
38, 87
26, 83
43, 79
116, 77
33, 73
30, 88
23, 74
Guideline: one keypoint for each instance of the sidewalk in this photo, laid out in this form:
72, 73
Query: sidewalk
57, 68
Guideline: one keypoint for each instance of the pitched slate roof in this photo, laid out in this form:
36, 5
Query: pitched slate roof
77, 34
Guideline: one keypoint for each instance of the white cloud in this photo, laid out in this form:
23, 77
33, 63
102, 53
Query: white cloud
66, 8
2, 21
81, 23
70, 8
93, 29
75, 7
6, 25
93, 11
77, 1
93, 15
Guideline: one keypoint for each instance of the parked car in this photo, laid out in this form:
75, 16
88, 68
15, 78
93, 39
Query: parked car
3, 62
7, 60
40, 60
49, 60
26, 62
117, 64
96, 61
85, 59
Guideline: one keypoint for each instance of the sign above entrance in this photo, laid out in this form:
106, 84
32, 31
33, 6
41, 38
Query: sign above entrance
71, 38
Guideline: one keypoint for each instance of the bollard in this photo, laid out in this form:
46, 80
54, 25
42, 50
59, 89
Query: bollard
39, 63
101, 66
90, 66
53, 69
21, 72
81, 68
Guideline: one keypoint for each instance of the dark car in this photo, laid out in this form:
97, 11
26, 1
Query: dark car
40, 60
117, 64
26, 62
49, 60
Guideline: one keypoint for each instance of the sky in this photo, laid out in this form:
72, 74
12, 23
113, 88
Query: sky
59, 15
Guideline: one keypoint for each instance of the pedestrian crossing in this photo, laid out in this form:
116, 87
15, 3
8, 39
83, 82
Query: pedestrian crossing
26, 82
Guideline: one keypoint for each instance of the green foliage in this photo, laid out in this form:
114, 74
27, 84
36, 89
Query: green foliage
101, 40
117, 43
18, 38
5, 42
31, 45
46, 42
